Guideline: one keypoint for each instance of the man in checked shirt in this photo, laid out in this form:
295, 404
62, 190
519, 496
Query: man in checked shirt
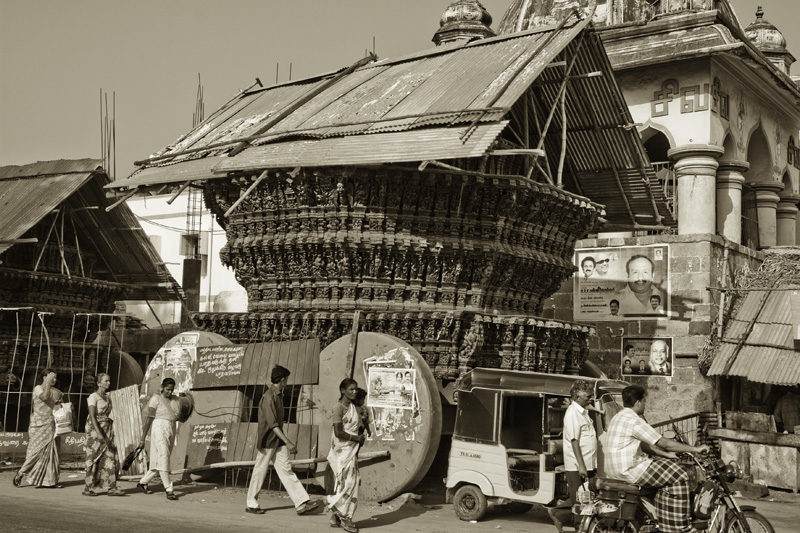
630, 440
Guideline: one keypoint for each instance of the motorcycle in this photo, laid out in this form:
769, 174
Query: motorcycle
613, 506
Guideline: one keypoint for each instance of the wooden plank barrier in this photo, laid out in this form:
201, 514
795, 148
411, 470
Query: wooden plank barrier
127, 415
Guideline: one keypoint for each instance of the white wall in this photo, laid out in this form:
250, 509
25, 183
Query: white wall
166, 224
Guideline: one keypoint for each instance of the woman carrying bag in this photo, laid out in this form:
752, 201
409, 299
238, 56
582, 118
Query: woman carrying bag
162, 412
102, 464
42, 465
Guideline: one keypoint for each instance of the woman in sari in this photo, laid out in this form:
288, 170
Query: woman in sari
41, 460
162, 413
102, 464
343, 457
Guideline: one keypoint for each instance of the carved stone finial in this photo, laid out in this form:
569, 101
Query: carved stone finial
463, 20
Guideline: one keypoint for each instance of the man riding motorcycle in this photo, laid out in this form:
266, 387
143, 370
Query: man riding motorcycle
630, 440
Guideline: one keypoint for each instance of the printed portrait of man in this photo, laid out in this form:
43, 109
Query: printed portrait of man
587, 266
659, 364
613, 307
634, 297
601, 266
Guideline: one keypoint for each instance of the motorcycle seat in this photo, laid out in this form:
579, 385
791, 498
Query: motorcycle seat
607, 484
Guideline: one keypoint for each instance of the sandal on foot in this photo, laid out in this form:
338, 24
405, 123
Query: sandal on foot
89, 493
171, 495
348, 525
17, 480
144, 488
115, 492
335, 522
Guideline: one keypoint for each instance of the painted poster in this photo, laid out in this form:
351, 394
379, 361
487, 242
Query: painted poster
391, 387
647, 356
617, 283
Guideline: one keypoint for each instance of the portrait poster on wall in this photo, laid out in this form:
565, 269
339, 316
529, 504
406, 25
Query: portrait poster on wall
623, 282
391, 387
646, 356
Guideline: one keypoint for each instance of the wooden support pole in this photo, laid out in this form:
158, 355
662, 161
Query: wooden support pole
562, 155
250, 189
350, 362
122, 200
178, 192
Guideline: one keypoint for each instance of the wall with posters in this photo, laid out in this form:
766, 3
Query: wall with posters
686, 272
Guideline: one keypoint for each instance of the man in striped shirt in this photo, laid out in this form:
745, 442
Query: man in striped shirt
631, 442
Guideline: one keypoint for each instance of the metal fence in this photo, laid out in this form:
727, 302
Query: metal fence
692, 428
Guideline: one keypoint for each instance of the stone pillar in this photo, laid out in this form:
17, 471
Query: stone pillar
786, 219
696, 170
767, 204
729, 199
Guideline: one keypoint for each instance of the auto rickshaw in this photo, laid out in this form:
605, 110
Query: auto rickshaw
506, 444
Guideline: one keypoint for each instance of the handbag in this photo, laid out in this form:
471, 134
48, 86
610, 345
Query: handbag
131, 457
63, 418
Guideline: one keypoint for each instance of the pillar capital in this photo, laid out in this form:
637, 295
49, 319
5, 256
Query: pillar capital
767, 192
733, 165
696, 171
787, 205
696, 159
729, 174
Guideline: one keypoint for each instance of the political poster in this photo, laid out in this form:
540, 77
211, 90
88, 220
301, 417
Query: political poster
646, 356
622, 282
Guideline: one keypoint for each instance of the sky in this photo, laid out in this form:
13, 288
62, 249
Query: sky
57, 55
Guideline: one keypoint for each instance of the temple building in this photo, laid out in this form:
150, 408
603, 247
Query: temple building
717, 109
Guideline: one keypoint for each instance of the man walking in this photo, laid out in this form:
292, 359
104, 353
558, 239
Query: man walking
580, 449
274, 445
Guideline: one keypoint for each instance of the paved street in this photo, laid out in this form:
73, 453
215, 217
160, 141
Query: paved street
205, 508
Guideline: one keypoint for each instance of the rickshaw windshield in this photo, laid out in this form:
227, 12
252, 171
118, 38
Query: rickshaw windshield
476, 419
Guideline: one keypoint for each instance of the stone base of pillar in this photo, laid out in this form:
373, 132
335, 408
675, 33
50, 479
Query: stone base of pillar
786, 220
729, 199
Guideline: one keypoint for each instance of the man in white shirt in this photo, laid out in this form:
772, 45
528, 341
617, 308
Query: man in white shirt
629, 437
580, 448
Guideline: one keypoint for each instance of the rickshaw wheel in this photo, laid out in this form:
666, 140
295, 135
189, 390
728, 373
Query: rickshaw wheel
469, 503
519, 507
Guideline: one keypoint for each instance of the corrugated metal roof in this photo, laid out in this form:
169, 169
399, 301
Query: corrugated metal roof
25, 197
29, 193
392, 147
758, 343
439, 94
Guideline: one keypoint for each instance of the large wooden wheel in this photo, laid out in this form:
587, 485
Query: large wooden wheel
407, 424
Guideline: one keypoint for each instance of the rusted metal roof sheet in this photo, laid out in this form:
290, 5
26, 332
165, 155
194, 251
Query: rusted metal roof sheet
400, 147
758, 343
423, 104
26, 197
29, 193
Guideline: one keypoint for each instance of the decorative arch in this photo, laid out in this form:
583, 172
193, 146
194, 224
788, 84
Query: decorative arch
759, 155
656, 144
650, 128
787, 182
729, 145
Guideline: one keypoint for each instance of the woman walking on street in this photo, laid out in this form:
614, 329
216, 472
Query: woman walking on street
162, 413
343, 457
102, 464
41, 465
